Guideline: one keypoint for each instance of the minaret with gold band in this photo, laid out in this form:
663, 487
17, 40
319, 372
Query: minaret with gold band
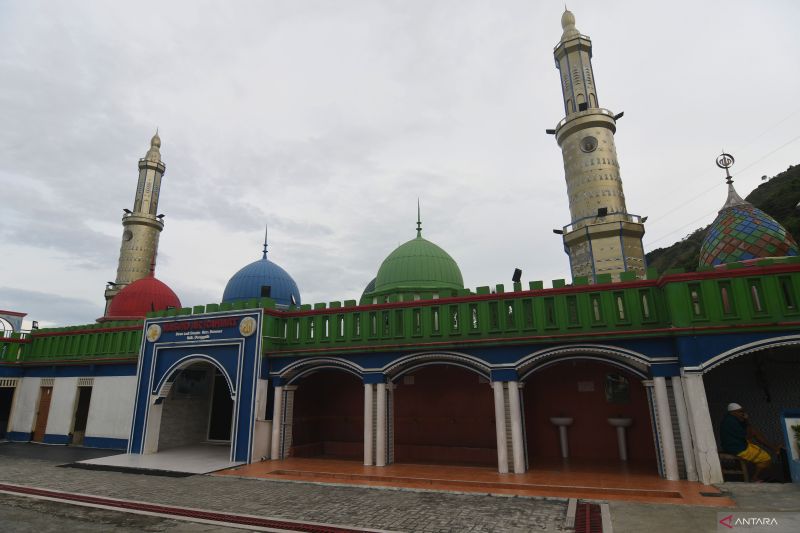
142, 226
602, 237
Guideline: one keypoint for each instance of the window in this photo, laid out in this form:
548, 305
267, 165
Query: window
726, 296
454, 317
494, 318
755, 295
644, 297
527, 312
550, 312
697, 301
572, 310
510, 322
296, 328
386, 323
416, 318
473, 313
435, 319
619, 300
398, 323
373, 325
326, 327
311, 328
340, 320
356, 324
787, 291
597, 314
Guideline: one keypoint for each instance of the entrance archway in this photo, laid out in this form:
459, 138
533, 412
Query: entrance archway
198, 408
590, 392
764, 382
328, 416
444, 414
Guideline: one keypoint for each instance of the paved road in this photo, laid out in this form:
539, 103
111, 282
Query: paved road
27, 515
397, 510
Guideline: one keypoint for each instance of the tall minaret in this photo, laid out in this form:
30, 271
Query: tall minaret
602, 237
142, 226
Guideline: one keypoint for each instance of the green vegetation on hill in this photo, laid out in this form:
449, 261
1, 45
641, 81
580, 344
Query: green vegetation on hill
778, 197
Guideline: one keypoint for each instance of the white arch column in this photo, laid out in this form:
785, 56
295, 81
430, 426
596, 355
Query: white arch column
369, 429
683, 424
517, 440
381, 423
277, 424
500, 426
705, 445
665, 428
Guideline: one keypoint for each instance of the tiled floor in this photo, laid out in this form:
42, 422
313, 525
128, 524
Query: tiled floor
574, 480
198, 459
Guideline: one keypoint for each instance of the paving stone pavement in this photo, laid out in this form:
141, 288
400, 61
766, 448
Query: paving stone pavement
397, 510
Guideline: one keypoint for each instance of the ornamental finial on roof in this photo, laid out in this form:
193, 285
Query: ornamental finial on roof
154, 154
726, 161
266, 233
419, 222
568, 25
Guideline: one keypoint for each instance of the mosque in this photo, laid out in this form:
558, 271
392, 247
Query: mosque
619, 366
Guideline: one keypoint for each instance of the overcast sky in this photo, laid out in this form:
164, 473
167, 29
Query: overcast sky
327, 119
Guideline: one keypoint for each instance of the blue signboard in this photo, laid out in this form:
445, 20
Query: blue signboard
229, 341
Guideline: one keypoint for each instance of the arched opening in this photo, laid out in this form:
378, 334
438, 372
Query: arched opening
328, 416
444, 414
764, 383
589, 392
197, 409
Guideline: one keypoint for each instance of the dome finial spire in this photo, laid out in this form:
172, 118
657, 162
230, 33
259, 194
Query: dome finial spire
726, 160
266, 234
419, 221
154, 153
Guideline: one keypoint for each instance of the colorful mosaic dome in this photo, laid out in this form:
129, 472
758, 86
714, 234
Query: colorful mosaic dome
741, 232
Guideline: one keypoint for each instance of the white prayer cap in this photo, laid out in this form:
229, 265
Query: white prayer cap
734, 407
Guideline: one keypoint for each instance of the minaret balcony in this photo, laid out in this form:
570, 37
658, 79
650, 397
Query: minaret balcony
596, 219
143, 218
592, 117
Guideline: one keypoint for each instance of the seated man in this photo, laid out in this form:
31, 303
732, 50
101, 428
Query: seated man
739, 438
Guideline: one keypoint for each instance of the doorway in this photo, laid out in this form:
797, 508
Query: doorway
45, 395
6, 398
81, 415
221, 418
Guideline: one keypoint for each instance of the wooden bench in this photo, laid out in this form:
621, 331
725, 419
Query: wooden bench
731, 464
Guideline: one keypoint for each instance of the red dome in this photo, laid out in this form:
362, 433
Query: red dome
141, 297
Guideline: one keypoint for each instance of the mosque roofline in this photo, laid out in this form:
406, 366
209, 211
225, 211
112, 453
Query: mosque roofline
735, 271
12, 313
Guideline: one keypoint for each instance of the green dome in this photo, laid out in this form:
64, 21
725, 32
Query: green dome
418, 265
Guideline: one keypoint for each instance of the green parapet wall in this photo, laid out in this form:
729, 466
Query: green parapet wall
111, 341
678, 303
754, 297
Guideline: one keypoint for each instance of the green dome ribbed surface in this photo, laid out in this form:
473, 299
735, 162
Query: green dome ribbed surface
418, 265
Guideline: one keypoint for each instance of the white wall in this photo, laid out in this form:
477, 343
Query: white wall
62, 406
111, 408
23, 412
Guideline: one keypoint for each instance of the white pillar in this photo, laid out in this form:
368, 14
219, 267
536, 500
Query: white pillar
368, 429
516, 428
380, 438
153, 425
500, 426
705, 445
277, 424
665, 428
683, 425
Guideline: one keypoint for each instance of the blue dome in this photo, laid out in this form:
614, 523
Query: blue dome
247, 284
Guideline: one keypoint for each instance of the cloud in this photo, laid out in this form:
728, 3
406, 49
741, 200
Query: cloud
50, 309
